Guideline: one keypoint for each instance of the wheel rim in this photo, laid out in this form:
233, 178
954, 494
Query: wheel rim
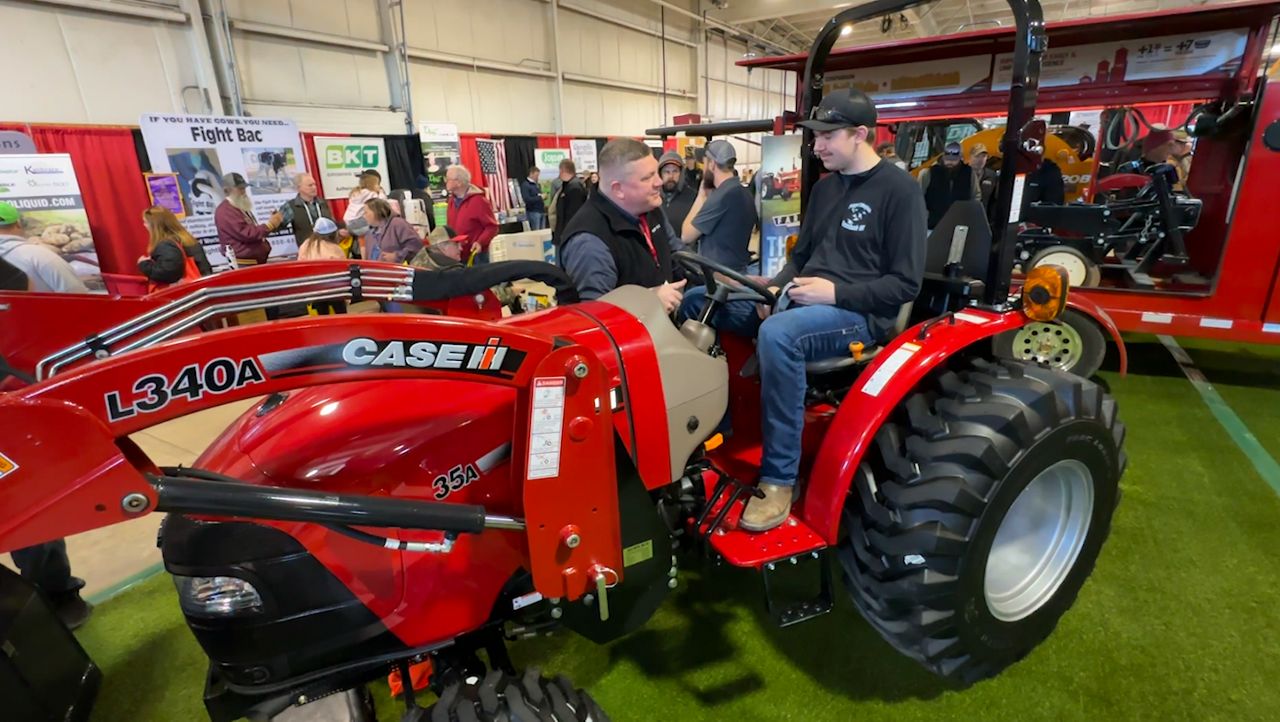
1077, 270
1039, 540
1056, 344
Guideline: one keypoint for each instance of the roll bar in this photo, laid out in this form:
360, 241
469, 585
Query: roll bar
1030, 43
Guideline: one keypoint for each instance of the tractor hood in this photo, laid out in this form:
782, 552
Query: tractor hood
368, 437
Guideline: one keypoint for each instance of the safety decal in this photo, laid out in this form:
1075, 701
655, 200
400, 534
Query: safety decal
971, 317
546, 426
886, 370
156, 391
7, 466
1216, 323
1271, 328
1150, 317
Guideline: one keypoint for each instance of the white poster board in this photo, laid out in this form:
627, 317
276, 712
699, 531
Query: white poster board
202, 148
583, 153
342, 159
51, 211
1170, 56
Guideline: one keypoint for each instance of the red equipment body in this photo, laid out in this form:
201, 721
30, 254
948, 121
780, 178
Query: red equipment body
1231, 248
453, 435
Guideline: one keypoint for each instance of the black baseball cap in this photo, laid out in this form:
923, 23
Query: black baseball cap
845, 108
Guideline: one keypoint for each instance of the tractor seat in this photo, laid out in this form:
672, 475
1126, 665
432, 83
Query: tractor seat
826, 366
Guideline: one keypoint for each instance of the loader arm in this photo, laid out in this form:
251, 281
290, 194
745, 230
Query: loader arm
44, 334
68, 466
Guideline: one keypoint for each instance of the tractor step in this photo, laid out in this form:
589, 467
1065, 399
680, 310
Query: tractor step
805, 609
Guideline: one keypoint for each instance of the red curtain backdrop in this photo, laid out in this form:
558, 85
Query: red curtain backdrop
110, 178
470, 155
553, 141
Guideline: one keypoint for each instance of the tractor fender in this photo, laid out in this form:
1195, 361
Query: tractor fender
892, 376
1099, 315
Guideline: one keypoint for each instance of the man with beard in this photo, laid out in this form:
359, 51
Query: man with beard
947, 181
238, 231
677, 195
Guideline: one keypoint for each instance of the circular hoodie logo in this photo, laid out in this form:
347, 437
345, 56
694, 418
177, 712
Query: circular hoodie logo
855, 218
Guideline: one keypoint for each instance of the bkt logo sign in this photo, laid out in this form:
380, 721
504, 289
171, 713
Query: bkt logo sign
351, 156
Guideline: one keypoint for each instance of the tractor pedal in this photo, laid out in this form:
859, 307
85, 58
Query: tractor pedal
805, 609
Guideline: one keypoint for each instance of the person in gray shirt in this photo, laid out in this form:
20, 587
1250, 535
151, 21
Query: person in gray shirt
724, 214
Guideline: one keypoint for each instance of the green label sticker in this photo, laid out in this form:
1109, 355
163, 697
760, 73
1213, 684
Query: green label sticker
637, 553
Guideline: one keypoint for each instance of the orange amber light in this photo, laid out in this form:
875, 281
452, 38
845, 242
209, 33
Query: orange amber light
1044, 293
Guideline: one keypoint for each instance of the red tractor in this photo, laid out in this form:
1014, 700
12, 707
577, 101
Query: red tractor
419, 488
783, 184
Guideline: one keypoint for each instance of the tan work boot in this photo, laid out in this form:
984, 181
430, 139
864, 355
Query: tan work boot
767, 513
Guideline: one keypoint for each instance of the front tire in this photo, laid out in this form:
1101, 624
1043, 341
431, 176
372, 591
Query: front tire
1000, 465
532, 698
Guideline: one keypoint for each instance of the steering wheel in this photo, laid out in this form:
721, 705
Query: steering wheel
739, 286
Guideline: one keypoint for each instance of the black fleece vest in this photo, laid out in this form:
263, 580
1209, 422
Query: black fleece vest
631, 257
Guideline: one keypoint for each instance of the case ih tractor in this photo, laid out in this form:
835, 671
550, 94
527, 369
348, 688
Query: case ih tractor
415, 488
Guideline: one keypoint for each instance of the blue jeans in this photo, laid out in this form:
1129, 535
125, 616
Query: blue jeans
537, 221
784, 343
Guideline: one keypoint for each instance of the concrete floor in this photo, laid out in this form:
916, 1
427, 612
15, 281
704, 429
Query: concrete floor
108, 557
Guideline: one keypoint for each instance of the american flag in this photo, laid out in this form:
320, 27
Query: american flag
493, 166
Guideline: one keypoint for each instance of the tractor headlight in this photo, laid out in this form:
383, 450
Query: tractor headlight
1044, 293
217, 596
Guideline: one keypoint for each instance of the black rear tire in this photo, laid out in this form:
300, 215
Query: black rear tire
928, 500
531, 698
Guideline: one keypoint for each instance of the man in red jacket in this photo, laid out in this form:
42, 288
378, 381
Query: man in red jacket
469, 214
238, 230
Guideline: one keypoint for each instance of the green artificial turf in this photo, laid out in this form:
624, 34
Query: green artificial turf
1179, 621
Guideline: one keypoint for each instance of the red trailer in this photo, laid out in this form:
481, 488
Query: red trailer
1210, 266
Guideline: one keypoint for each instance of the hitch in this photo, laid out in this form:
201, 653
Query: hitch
805, 609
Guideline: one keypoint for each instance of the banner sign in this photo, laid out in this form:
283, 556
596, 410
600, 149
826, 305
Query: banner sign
441, 148
1216, 53
342, 159
548, 162
913, 80
583, 153
779, 184
1171, 56
46, 193
12, 141
200, 149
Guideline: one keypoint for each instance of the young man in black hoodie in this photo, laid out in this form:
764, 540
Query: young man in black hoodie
860, 256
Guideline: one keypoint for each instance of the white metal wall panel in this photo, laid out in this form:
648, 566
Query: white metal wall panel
332, 120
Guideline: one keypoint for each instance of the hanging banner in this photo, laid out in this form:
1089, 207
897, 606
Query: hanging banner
441, 148
583, 153
548, 162
1170, 56
913, 80
341, 161
200, 149
51, 211
779, 176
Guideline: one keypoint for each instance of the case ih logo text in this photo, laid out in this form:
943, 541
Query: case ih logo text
351, 156
425, 354
155, 391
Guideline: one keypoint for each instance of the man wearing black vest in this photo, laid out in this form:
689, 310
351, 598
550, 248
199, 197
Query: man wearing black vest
947, 181
619, 238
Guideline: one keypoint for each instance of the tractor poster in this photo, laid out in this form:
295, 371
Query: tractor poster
201, 149
44, 190
341, 161
779, 200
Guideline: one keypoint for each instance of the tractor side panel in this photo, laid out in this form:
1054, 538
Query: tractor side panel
891, 377
434, 440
